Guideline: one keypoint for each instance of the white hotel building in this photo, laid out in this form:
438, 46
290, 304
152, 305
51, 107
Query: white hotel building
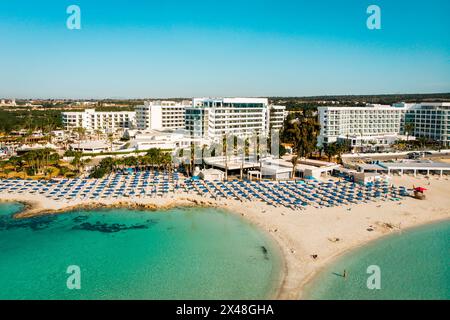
375, 126
202, 118
92, 120
159, 115
213, 117
429, 120
276, 116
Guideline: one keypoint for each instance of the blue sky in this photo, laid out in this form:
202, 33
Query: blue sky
145, 49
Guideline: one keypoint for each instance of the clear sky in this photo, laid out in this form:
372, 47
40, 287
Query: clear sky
145, 49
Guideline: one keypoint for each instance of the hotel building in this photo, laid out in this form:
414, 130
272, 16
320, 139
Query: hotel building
276, 116
429, 120
214, 117
202, 118
196, 121
92, 120
374, 126
158, 115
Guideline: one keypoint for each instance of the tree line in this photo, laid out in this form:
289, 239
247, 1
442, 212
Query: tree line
153, 159
33, 162
30, 120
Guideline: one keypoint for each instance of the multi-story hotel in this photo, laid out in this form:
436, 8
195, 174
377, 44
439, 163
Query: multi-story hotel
208, 118
196, 123
369, 126
428, 120
276, 117
92, 120
159, 115
214, 117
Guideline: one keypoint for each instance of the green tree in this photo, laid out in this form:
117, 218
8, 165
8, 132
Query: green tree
330, 150
334, 149
111, 141
409, 128
303, 132
294, 160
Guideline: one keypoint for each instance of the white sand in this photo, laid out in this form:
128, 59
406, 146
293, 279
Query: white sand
301, 234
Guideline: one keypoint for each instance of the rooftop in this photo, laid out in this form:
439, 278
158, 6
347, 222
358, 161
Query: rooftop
90, 145
369, 166
418, 165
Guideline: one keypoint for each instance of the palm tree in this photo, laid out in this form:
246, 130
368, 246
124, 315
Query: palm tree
83, 164
76, 161
225, 147
131, 162
182, 160
422, 142
409, 128
320, 149
192, 158
111, 140
98, 133
294, 160
81, 134
153, 155
46, 130
166, 161
340, 149
15, 162
361, 134
331, 150
204, 149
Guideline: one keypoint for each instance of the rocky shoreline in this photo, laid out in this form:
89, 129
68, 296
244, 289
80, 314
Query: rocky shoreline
32, 209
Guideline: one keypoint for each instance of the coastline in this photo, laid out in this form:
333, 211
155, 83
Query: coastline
35, 209
333, 259
326, 233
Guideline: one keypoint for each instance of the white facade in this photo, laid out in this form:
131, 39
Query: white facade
373, 142
92, 120
11, 102
369, 123
276, 116
157, 139
429, 120
196, 121
91, 146
160, 115
215, 117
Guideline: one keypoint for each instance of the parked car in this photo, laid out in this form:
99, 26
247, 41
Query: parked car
413, 155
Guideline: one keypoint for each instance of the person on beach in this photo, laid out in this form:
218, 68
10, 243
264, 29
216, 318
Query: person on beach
345, 274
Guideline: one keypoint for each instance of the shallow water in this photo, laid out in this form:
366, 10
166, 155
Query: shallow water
413, 265
189, 253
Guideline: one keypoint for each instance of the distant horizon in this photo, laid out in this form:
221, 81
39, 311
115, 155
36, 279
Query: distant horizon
230, 96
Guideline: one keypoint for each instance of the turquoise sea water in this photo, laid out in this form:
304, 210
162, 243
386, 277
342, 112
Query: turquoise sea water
413, 265
189, 253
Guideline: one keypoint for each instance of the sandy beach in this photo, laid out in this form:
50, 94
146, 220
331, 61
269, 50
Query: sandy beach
308, 239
